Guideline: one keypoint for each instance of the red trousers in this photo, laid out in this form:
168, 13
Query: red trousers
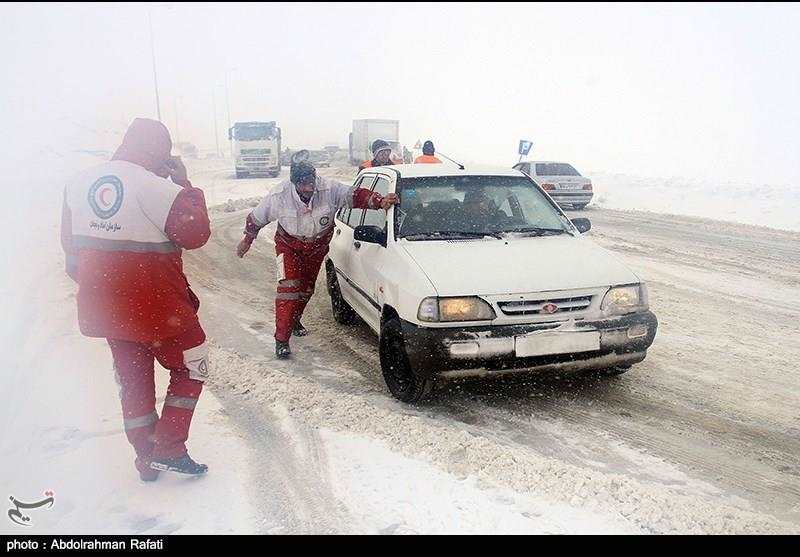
185, 358
298, 265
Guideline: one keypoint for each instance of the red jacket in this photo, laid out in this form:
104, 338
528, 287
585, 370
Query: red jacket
122, 230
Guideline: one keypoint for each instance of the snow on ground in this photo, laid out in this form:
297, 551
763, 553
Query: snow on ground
317, 445
774, 206
556, 496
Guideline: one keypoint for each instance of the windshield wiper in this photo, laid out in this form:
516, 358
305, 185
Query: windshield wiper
536, 230
452, 234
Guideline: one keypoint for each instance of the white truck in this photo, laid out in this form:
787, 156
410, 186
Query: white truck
368, 130
256, 148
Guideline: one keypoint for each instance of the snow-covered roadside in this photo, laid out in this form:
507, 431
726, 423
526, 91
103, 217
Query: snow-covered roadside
407, 466
61, 414
773, 206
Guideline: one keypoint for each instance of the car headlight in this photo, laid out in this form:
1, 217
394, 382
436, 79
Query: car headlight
625, 299
455, 309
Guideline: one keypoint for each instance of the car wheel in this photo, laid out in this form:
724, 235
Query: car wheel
404, 384
342, 312
579, 206
614, 371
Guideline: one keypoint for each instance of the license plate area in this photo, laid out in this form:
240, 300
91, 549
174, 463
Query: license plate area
544, 343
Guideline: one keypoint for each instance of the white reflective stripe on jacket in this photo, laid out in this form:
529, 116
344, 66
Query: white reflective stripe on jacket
298, 219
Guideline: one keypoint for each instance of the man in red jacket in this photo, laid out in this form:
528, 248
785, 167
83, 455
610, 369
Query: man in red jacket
123, 227
304, 207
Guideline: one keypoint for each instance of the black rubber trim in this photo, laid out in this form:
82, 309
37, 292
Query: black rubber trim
375, 304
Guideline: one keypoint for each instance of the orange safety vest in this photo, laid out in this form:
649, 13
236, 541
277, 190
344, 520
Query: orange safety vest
427, 159
368, 164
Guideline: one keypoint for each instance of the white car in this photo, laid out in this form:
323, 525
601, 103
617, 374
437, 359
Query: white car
561, 181
478, 272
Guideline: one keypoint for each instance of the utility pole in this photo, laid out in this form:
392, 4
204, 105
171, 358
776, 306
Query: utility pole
177, 125
216, 131
153, 55
228, 104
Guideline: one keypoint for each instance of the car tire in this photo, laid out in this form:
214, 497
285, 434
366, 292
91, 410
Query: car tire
614, 371
401, 379
342, 312
579, 206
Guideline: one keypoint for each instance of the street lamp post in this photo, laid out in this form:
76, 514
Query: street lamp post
153, 55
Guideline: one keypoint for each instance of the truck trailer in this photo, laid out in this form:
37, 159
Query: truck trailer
368, 130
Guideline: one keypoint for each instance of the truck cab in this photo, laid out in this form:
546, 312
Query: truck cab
256, 148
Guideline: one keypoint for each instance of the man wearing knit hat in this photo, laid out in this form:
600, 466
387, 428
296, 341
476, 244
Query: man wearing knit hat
304, 207
427, 156
381, 155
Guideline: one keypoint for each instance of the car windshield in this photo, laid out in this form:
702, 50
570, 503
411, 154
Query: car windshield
254, 132
555, 169
449, 206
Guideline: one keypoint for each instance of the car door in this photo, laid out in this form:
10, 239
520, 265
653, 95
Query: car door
368, 259
341, 248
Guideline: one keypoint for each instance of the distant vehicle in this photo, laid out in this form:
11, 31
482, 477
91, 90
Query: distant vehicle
366, 131
256, 148
564, 184
320, 159
478, 272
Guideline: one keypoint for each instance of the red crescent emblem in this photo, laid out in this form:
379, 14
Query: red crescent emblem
102, 196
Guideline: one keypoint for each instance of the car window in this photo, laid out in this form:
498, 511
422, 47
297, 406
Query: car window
473, 204
378, 217
555, 169
352, 217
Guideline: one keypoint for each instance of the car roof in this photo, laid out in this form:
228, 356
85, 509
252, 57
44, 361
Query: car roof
434, 170
548, 162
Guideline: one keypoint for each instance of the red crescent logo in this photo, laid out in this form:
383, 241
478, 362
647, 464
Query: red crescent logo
102, 196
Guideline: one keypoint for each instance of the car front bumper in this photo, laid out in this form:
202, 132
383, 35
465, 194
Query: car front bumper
488, 350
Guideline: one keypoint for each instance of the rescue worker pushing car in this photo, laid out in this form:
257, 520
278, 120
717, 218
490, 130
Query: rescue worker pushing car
304, 208
123, 226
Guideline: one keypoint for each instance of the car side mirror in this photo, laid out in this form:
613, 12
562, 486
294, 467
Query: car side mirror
583, 225
369, 234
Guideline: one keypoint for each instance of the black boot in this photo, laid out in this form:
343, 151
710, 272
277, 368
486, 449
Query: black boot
298, 330
282, 350
182, 464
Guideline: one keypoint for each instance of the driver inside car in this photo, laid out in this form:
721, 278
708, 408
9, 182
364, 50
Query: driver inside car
481, 213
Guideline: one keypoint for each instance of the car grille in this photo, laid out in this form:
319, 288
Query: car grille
537, 307
256, 151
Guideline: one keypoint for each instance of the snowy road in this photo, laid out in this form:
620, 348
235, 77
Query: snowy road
704, 436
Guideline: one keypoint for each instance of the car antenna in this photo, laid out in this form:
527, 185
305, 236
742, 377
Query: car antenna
460, 166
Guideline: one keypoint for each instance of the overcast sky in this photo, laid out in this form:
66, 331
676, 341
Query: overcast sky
699, 90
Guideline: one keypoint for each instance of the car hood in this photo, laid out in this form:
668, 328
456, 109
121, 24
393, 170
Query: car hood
521, 265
